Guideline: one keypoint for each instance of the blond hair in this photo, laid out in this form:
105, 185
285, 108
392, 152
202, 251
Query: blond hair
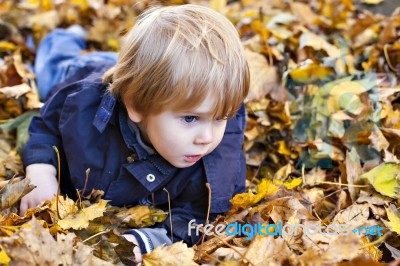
174, 57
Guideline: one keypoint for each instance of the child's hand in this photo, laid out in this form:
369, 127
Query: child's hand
136, 249
43, 176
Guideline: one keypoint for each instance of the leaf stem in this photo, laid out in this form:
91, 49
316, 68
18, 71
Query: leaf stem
170, 214
93, 236
341, 184
58, 178
388, 59
379, 240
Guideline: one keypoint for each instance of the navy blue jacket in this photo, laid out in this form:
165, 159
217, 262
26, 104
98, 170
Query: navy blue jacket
90, 129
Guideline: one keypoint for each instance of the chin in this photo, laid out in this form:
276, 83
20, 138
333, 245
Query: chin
182, 164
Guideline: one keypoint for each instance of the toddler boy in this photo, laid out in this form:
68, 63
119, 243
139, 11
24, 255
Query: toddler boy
168, 116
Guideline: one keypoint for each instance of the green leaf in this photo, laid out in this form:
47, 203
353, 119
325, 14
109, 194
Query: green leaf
385, 179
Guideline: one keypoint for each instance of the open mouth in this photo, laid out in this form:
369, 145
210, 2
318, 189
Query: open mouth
192, 158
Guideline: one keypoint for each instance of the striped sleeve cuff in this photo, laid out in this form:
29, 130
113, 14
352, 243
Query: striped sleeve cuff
150, 238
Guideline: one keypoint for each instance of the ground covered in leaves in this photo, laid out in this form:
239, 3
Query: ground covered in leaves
322, 141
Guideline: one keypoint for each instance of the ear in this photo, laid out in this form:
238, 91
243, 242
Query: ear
134, 115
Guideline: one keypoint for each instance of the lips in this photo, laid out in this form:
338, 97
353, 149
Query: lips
192, 158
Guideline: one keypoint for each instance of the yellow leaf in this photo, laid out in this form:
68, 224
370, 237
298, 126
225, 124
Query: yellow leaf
243, 200
46, 5
4, 258
394, 219
283, 148
311, 72
385, 179
283, 172
6, 46
374, 252
8, 230
142, 216
290, 184
81, 219
218, 5
265, 188
175, 254
65, 206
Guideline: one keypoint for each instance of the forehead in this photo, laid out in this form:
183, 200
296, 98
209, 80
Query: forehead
206, 107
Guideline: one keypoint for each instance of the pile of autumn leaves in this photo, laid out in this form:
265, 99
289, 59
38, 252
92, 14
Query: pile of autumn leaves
321, 142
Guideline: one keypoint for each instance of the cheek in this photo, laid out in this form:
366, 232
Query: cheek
219, 134
165, 136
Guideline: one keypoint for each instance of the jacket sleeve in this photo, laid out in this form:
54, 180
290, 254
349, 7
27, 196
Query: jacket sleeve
44, 130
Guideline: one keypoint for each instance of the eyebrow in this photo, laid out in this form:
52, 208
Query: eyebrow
194, 113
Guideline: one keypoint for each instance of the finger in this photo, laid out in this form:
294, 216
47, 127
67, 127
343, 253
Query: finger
23, 207
138, 254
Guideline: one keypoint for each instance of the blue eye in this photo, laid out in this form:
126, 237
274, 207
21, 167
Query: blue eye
190, 118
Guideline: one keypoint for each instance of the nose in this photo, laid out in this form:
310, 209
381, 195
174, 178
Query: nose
205, 134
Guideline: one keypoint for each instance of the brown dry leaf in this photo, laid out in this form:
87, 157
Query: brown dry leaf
353, 172
317, 242
175, 254
33, 101
285, 208
325, 150
309, 257
303, 12
22, 68
390, 157
378, 140
82, 218
343, 248
385, 93
263, 77
10, 165
283, 172
142, 216
316, 197
355, 215
375, 199
15, 91
367, 36
229, 254
266, 250
34, 245
13, 192
315, 176
309, 39
361, 261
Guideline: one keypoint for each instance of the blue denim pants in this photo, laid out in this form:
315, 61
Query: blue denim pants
59, 57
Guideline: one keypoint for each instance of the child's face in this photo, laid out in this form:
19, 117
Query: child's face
182, 138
